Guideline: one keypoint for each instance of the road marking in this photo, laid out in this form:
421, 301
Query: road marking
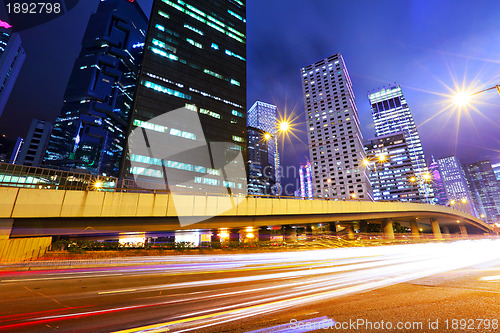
490, 278
115, 291
42, 294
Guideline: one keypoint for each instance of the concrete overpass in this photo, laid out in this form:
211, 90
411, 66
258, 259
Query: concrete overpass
42, 212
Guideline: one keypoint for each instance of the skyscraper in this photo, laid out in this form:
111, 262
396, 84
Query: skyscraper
437, 183
391, 115
334, 135
496, 170
392, 168
12, 57
16, 151
261, 175
90, 132
485, 189
35, 144
261, 119
455, 184
194, 58
305, 176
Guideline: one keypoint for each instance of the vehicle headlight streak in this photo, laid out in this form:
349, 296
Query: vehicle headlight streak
270, 282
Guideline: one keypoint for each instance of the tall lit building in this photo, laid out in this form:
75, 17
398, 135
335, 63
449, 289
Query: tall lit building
16, 151
334, 136
391, 115
194, 59
12, 57
35, 144
391, 166
485, 189
438, 189
305, 176
496, 170
455, 184
260, 165
90, 131
261, 153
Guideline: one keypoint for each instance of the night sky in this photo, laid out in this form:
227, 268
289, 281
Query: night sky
427, 47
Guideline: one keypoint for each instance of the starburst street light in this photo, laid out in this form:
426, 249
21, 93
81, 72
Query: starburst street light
462, 98
282, 127
421, 179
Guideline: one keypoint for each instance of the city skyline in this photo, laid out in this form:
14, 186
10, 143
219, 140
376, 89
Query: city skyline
417, 55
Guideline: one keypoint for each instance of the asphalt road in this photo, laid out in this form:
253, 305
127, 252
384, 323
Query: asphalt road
429, 287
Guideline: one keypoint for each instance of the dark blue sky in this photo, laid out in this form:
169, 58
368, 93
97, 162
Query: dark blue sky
422, 45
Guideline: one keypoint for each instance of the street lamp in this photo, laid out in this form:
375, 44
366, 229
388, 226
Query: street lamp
462, 98
281, 127
421, 179
382, 158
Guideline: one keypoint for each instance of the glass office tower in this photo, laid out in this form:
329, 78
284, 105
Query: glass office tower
261, 175
456, 185
485, 190
305, 176
191, 93
391, 115
262, 165
90, 132
334, 136
391, 168
12, 57
440, 197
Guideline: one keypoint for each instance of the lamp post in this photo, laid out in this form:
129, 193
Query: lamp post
282, 127
462, 98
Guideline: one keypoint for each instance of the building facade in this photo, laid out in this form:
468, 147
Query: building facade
90, 132
260, 165
392, 170
485, 189
191, 95
306, 185
36, 143
391, 115
438, 189
496, 170
12, 57
262, 119
456, 185
334, 136
17, 150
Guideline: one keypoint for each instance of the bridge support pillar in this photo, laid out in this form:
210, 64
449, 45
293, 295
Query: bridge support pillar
363, 227
388, 229
264, 234
350, 231
463, 230
289, 234
446, 232
414, 229
435, 229
5, 228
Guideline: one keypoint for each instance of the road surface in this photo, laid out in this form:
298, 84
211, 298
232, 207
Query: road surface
412, 288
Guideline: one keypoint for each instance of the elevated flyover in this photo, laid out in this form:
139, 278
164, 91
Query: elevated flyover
46, 212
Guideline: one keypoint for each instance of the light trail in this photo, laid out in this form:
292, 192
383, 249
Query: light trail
251, 285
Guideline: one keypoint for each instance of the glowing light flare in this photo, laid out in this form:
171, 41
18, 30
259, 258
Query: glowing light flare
267, 136
462, 98
284, 126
